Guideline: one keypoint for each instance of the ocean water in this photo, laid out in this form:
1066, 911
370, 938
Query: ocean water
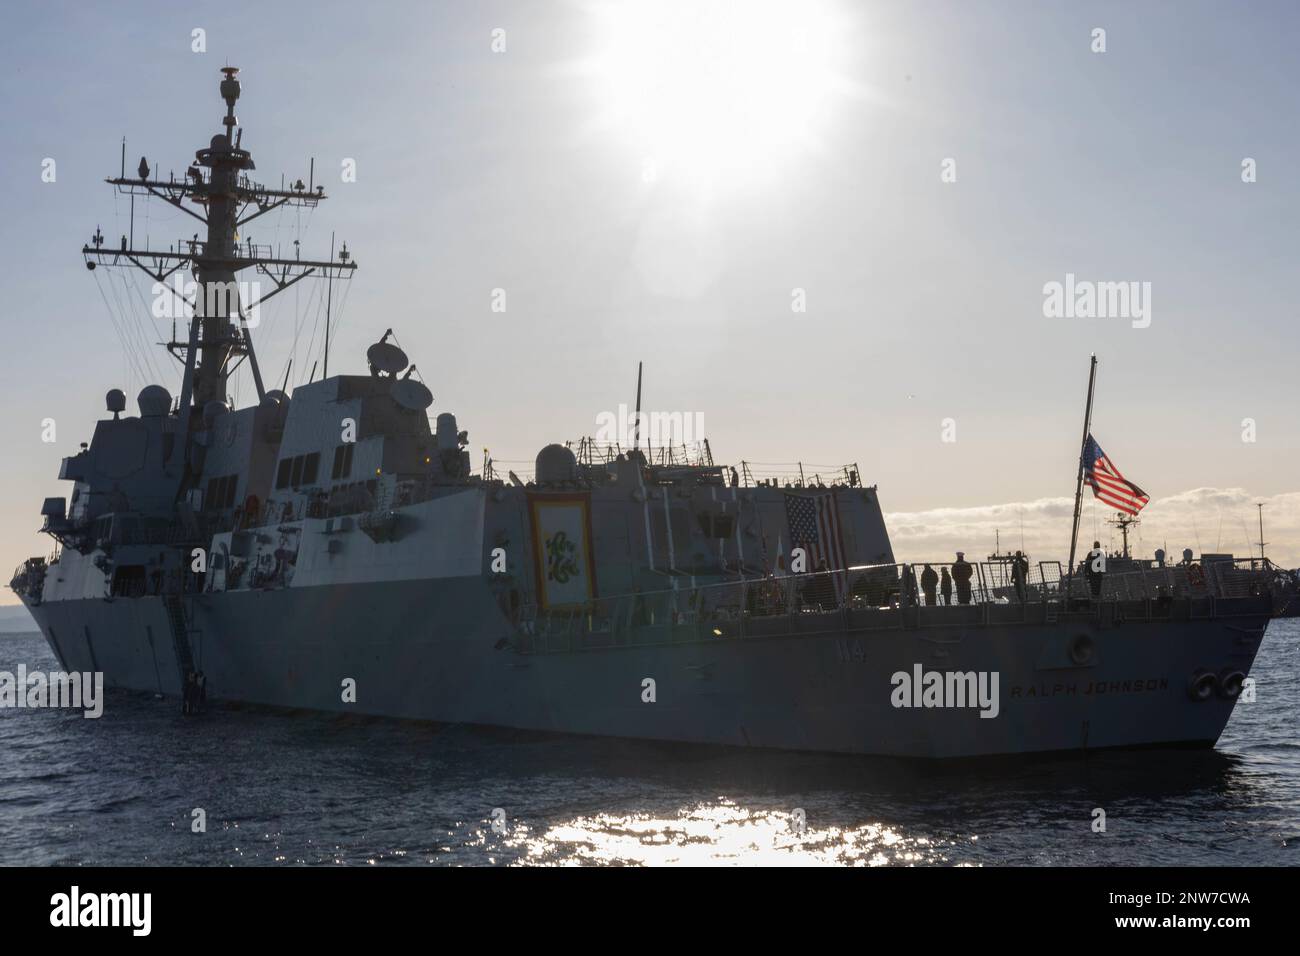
288, 789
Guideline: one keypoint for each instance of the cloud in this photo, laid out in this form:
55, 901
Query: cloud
1203, 519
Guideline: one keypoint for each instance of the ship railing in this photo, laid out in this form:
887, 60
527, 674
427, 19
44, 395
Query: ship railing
29, 578
19, 580
695, 454
238, 250
1213, 579
1241, 577
873, 596
798, 475
169, 533
814, 602
519, 467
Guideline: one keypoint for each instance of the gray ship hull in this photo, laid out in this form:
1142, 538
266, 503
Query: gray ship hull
441, 650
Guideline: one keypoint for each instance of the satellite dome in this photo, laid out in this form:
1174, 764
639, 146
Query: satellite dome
154, 400
116, 401
555, 464
276, 396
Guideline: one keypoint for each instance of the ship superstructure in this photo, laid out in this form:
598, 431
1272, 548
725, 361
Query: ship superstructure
336, 550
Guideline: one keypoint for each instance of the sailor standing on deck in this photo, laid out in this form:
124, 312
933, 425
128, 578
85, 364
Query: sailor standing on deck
909, 586
1019, 572
961, 574
1096, 568
820, 589
945, 586
929, 582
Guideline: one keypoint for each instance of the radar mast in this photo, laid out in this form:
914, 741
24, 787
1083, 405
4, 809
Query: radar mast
218, 184
1123, 522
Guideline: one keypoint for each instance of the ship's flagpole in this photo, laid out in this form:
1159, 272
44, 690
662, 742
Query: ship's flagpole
1078, 483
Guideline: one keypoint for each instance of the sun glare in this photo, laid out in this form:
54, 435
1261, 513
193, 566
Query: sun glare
716, 92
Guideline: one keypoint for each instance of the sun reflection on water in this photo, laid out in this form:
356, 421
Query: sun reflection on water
719, 833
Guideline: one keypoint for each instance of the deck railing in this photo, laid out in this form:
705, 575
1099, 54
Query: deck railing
878, 596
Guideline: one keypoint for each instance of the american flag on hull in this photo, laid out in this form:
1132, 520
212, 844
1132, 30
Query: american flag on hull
1108, 484
814, 522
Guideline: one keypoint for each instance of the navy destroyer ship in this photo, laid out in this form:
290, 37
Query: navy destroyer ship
334, 550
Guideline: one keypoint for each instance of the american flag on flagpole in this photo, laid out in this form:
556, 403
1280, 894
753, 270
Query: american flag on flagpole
815, 526
1108, 484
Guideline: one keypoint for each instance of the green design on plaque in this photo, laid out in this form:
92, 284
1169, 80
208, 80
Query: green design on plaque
561, 563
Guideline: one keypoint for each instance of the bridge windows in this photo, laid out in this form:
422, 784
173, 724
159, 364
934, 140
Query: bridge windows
221, 492
297, 471
342, 461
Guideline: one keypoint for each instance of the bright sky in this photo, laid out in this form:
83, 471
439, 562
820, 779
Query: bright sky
654, 181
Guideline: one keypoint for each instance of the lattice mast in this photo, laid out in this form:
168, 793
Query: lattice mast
1123, 522
217, 183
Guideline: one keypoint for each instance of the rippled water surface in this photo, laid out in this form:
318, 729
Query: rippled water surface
291, 788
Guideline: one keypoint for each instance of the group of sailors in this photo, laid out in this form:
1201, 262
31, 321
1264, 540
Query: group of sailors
906, 585
879, 587
941, 584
